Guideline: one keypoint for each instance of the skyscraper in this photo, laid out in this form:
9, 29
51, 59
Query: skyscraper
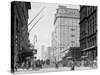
67, 30
43, 52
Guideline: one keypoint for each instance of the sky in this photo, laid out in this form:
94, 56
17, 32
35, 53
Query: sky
44, 28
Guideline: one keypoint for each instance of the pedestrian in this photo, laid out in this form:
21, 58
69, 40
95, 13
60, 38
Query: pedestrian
73, 67
16, 68
56, 65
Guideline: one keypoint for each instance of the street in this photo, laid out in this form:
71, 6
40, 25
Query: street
50, 69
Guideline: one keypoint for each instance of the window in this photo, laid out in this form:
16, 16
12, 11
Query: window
72, 29
16, 44
92, 8
72, 41
72, 35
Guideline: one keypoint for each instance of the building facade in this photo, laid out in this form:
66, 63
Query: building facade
66, 33
88, 32
19, 32
43, 52
50, 54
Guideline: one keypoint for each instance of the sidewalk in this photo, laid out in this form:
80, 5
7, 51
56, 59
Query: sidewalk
51, 69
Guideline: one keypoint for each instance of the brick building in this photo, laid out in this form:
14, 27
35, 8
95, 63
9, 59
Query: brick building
88, 32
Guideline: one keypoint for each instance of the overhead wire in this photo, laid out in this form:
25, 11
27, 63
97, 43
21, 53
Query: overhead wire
36, 23
36, 16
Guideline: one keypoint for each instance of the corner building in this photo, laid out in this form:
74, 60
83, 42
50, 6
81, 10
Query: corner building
66, 33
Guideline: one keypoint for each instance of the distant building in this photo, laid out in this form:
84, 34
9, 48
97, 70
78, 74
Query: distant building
43, 52
50, 54
88, 32
66, 33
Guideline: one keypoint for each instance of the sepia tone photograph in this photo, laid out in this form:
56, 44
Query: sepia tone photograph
50, 37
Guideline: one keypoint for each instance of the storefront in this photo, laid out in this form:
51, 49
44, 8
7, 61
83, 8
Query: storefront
89, 56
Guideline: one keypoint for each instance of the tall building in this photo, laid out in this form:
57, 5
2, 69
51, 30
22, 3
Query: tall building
19, 32
66, 33
50, 54
88, 32
43, 52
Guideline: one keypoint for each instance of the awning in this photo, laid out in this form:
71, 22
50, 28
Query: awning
87, 49
83, 56
69, 57
27, 52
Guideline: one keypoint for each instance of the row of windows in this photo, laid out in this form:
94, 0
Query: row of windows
86, 11
89, 27
83, 13
92, 41
89, 43
92, 22
91, 9
91, 54
69, 21
17, 42
83, 26
17, 33
83, 34
68, 35
71, 44
71, 35
68, 25
83, 44
68, 31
